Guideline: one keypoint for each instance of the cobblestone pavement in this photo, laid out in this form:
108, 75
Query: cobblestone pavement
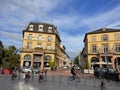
55, 82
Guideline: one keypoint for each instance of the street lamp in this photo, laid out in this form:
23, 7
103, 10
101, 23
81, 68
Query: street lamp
106, 60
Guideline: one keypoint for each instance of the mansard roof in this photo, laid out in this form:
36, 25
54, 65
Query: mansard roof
102, 30
45, 27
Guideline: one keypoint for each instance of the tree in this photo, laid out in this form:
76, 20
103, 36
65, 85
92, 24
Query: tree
10, 57
76, 60
52, 64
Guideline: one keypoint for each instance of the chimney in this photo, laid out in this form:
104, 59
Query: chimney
103, 29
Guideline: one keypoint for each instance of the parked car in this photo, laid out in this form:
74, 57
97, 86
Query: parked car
107, 73
24, 70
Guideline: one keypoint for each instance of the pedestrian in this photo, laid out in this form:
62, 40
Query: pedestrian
32, 74
41, 76
73, 72
0, 70
117, 76
45, 74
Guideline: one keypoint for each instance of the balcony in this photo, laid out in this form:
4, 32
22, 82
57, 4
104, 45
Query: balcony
93, 52
38, 50
27, 50
50, 51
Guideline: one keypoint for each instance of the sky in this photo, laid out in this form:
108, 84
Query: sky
73, 18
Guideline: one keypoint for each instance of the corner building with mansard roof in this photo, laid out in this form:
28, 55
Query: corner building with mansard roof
102, 48
42, 45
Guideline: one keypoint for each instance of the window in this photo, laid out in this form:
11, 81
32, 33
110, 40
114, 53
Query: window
49, 46
40, 28
29, 44
40, 37
27, 57
47, 58
94, 49
117, 36
93, 38
117, 47
39, 45
49, 38
105, 38
31, 27
105, 48
30, 36
49, 29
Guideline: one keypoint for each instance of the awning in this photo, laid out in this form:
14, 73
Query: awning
101, 63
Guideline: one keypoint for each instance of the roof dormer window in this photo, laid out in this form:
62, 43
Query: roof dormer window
49, 29
40, 28
31, 27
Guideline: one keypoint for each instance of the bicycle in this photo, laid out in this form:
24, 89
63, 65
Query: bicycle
41, 78
14, 76
27, 76
75, 77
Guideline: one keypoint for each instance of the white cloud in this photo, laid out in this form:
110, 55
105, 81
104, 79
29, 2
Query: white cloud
103, 19
20, 12
114, 25
70, 22
11, 35
73, 44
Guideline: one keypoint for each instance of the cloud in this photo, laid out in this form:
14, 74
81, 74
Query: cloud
16, 14
11, 35
70, 22
103, 19
114, 25
73, 44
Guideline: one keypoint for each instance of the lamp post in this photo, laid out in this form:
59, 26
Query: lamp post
107, 68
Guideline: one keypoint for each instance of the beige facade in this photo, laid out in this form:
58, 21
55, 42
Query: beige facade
41, 45
102, 48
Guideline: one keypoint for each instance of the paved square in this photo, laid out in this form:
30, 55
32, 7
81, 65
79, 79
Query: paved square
55, 82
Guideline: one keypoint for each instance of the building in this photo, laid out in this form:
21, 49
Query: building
102, 48
41, 46
1, 52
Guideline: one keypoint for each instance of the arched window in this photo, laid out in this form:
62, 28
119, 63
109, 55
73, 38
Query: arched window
27, 57
94, 59
47, 58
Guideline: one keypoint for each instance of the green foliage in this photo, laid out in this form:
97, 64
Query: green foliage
10, 57
52, 63
76, 60
84, 65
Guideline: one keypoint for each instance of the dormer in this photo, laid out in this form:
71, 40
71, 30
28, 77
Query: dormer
40, 28
50, 29
31, 27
